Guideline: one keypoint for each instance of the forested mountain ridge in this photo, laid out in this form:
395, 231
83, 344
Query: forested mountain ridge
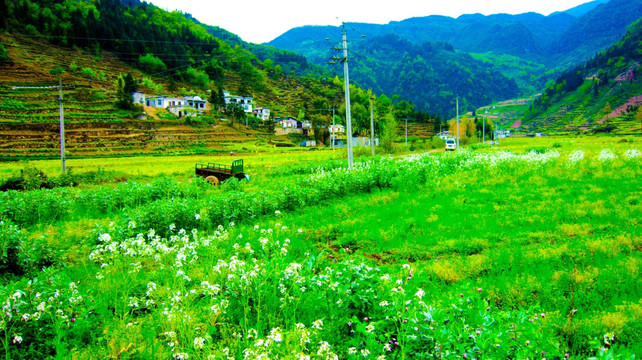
432, 75
130, 28
595, 31
532, 36
168, 47
529, 48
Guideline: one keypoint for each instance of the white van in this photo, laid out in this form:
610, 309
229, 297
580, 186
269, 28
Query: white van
451, 144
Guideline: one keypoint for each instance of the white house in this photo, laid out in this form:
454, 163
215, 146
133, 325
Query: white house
194, 101
262, 113
444, 135
337, 129
138, 98
288, 122
163, 101
244, 101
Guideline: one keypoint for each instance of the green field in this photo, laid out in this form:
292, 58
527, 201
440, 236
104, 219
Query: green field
527, 249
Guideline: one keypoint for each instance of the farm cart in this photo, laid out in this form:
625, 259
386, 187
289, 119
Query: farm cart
216, 173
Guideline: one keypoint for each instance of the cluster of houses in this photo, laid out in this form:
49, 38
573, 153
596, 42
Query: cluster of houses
195, 105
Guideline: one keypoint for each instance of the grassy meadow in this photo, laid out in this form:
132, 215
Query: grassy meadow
530, 249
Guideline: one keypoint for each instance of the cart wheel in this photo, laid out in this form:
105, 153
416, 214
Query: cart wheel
213, 180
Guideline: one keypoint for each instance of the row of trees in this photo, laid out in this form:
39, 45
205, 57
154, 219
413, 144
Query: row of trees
471, 127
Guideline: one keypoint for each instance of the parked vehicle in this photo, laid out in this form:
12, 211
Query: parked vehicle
451, 144
216, 173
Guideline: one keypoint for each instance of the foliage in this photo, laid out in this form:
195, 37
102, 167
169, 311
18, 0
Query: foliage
389, 133
150, 84
151, 64
431, 75
589, 91
4, 56
126, 86
197, 77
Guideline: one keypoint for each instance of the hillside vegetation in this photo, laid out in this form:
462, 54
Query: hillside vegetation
528, 48
600, 95
167, 53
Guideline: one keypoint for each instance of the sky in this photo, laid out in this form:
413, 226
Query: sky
260, 21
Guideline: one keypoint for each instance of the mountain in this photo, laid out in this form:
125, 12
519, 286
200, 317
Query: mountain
525, 35
594, 31
431, 74
542, 46
602, 95
580, 10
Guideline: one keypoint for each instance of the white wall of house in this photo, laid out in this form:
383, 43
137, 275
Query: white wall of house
245, 101
138, 98
262, 113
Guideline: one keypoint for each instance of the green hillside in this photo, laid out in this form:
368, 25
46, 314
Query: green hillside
600, 96
529, 48
432, 75
166, 53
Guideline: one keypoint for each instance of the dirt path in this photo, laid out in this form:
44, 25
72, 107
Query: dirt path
634, 101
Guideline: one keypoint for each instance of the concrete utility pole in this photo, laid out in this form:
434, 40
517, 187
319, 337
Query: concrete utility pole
372, 127
484, 129
62, 126
344, 34
457, 122
332, 130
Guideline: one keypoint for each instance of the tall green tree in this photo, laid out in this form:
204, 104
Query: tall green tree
4, 56
217, 100
4, 10
126, 86
389, 132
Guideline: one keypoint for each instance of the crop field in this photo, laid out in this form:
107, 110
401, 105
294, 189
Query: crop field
527, 250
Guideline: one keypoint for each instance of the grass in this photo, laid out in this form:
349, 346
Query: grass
479, 254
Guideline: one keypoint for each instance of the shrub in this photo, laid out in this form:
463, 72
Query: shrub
33, 178
10, 239
537, 149
88, 72
4, 56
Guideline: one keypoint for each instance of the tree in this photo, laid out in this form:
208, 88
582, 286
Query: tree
197, 77
4, 57
126, 86
151, 64
389, 132
4, 9
217, 100
236, 111
360, 117
607, 109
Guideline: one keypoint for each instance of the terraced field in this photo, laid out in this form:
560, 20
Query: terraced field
29, 119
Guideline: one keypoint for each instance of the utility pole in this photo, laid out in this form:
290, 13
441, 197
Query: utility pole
484, 129
344, 34
457, 123
332, 130
62, 126
371, 127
